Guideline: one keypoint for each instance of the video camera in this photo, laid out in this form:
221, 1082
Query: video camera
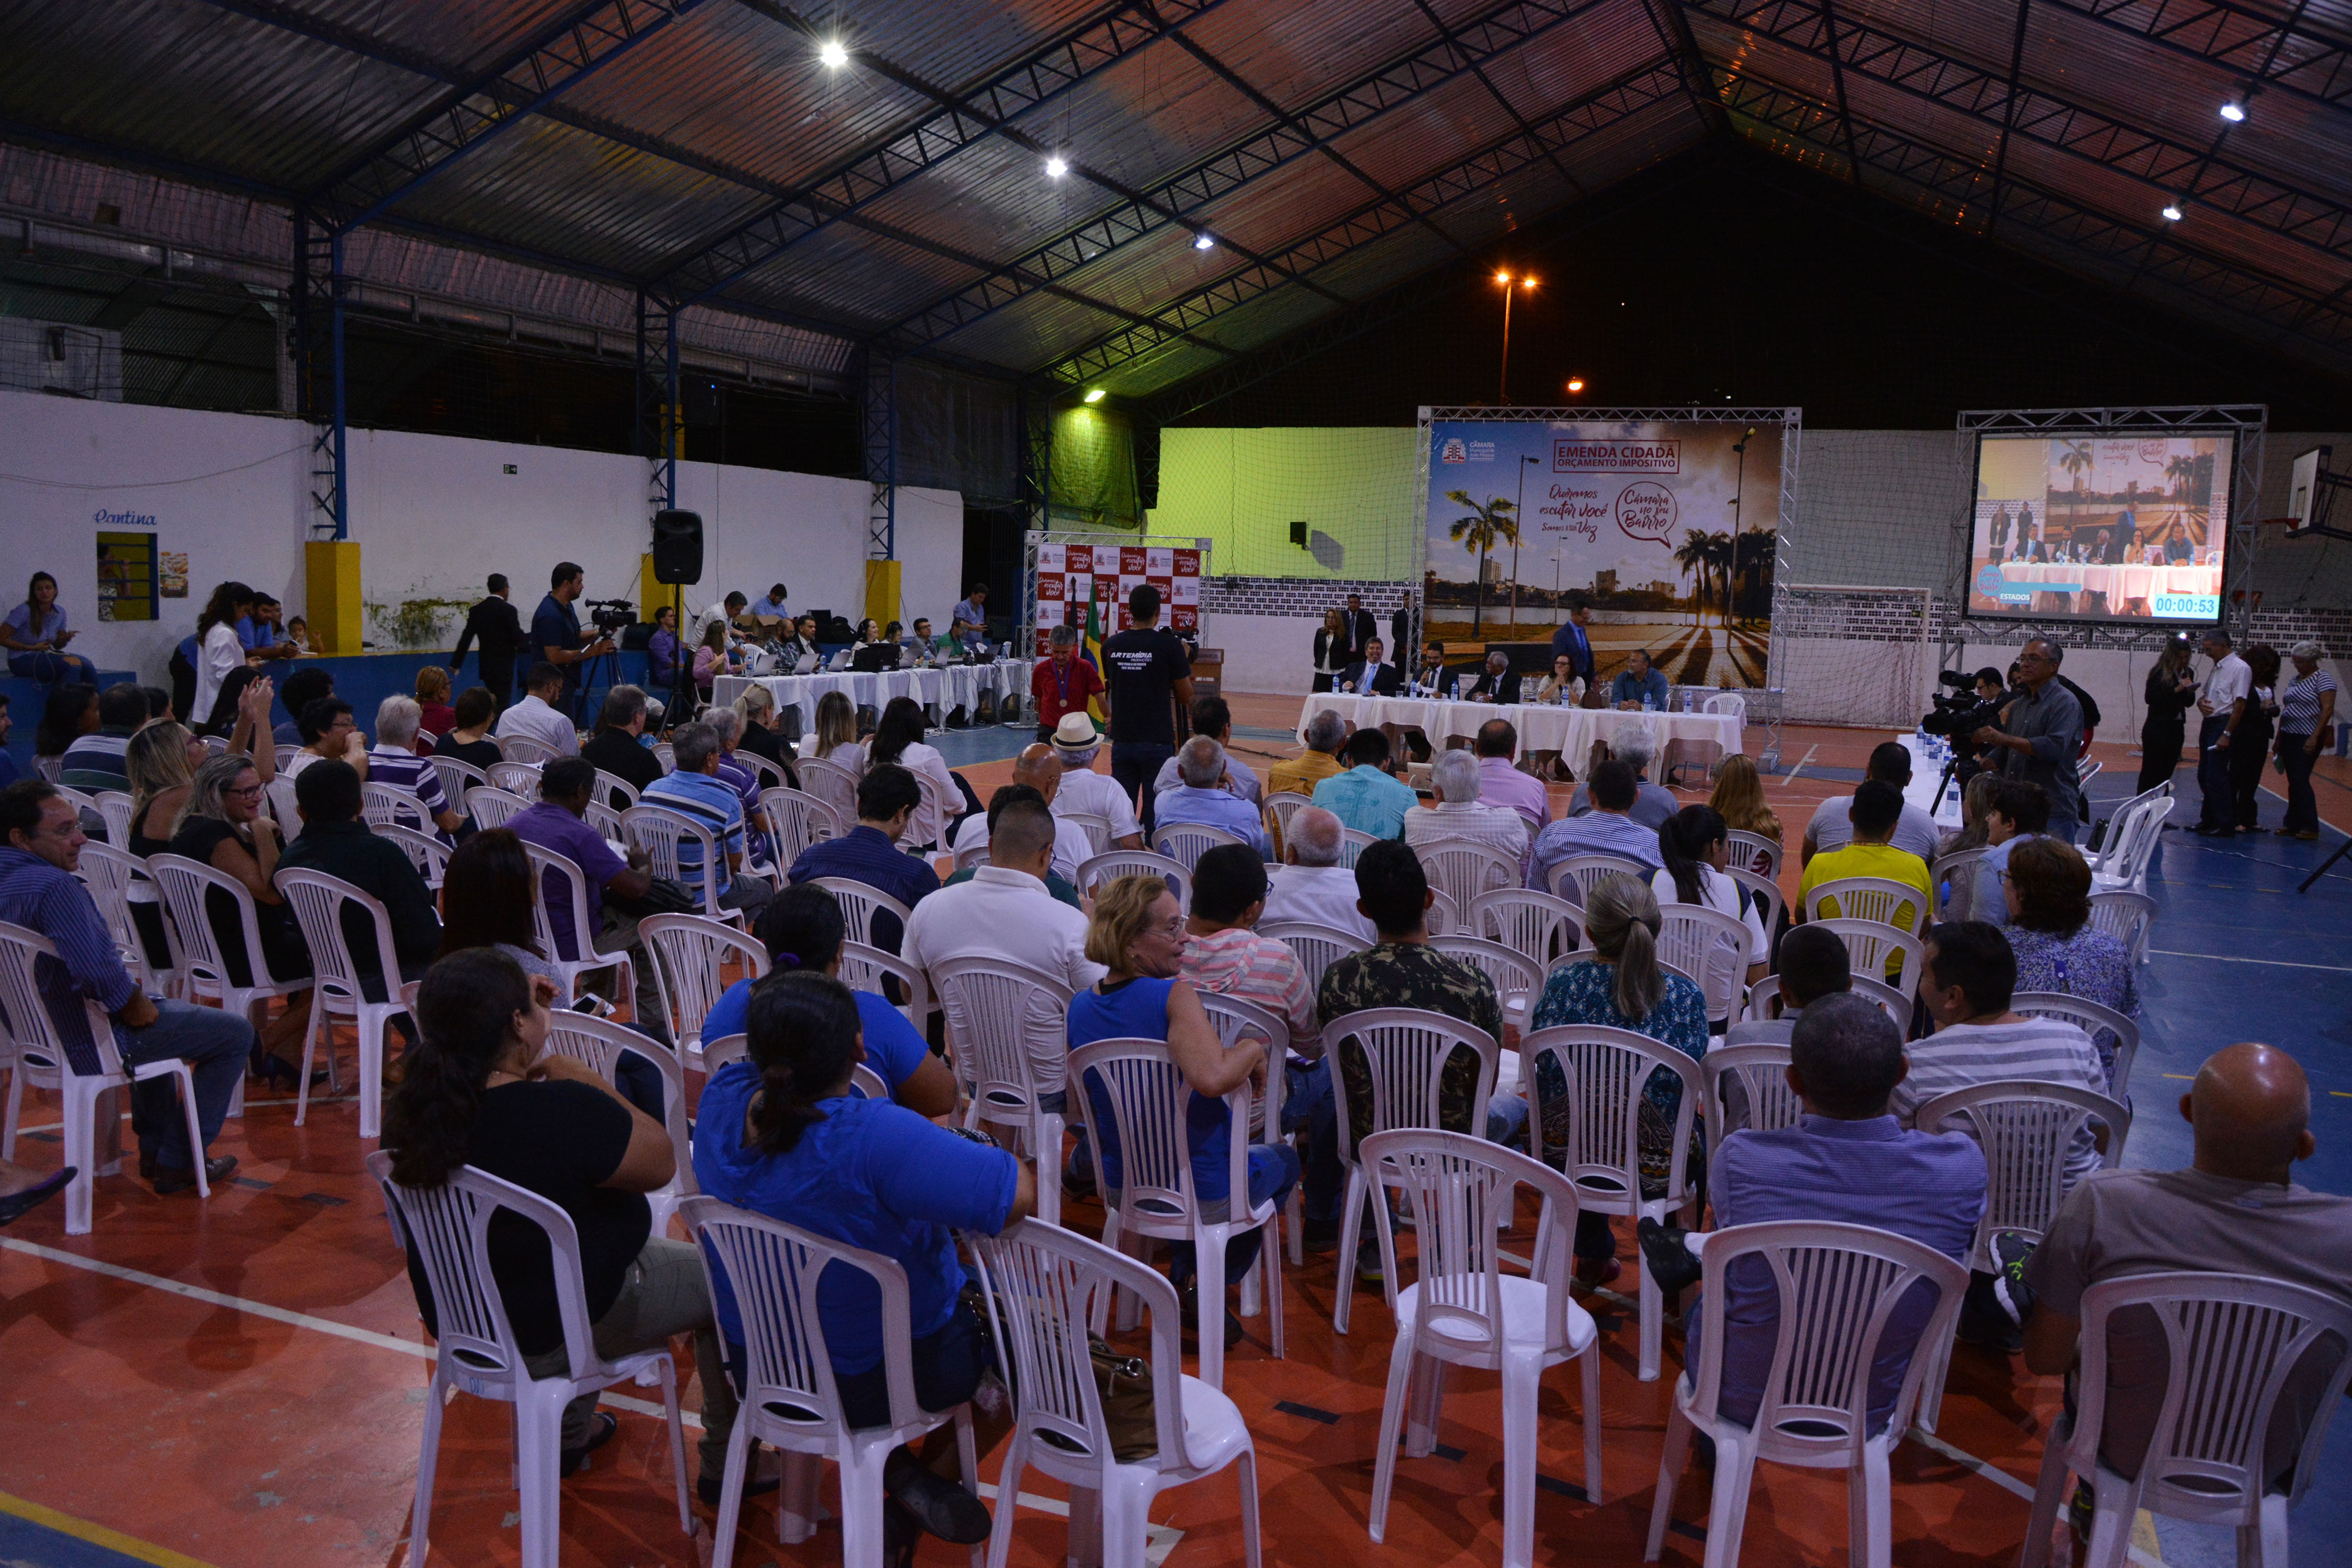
1959, 712
612, 615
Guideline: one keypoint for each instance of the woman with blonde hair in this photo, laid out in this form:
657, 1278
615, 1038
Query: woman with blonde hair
1738, 799
435, 717
1623, 987
836, 732
222, 826
1137, 934
761, 734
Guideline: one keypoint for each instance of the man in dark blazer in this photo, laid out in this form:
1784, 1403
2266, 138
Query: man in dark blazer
1371, 676
1573, 642
1362, 628
494, 624
1497, 682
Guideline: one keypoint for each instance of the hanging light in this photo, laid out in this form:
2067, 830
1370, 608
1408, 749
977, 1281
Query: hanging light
2172, 212
2233, 111
1057, 166
1204, 241
1095, 395
1575, 385
832, 55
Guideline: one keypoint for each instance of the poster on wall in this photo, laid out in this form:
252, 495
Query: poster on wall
175, 573
1073, 577
127, 577
1666, 527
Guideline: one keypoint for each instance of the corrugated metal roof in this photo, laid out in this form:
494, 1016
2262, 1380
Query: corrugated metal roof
724, 116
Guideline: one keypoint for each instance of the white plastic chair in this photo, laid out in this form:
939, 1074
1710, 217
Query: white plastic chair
1838, 1286
2138, 837
667, 756
599, 1042
1279, 808
1573, 878
385, 805
1113, 864
1238, 1022
1352, 844
1443, 916
1097, 827
928, 828
1765, 893
1754, 852
2126, 916
1746, 1089
664, 835
1315, 945
1008, 1042
1040, 1279
686, 952
284, 809
1871, 898
860, 902
1186, 842
202, 971
1405, 1051
524, 749
337, 990
515, 778
1606, 1071
1764, 998
769, 775
1692, 938
1958, 868
865, 967
2098, 1022
1460, 1311
110, 873
1518, 979
426, 851
475, 1350
611, 784
116, 807
2232, 1342
972, 858
1730, 703
459, 779
832, 783
790, 1396
491, 807
1465, 869
560, 880
1869, 945
2114, 840
38, 1055
1535, 925
1149, 1105
796, 820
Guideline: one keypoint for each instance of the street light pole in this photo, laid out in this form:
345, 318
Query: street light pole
1519, 518
1503, 378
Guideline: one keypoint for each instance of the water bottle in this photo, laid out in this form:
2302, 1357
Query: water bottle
1458, 689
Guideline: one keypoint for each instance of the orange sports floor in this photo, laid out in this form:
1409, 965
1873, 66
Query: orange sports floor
240, 1383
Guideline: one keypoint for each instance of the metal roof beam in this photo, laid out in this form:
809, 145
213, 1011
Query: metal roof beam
1409, 78
1628, 95
558, 58
2110, 245
2187, 174
2274, 53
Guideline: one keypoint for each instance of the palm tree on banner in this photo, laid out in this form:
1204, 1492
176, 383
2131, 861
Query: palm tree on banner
1753, 566
1693, 558
1720, 554
2180, 471
2076, 460
1486, 527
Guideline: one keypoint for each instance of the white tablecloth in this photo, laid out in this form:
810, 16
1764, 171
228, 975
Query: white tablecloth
944, 688
1926, 771
1542, 727
2117, 582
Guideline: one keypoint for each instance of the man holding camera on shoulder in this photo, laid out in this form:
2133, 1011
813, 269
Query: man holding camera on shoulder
556, 635
2042, 736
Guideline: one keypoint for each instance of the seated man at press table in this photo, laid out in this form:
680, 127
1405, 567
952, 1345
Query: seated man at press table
1639, 685
1497, 682
1370, 675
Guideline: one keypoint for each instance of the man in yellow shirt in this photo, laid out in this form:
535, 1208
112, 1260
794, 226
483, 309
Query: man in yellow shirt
1876, 812
1325, 734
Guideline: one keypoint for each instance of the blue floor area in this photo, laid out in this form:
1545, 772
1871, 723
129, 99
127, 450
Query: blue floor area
24, 1544
982, 743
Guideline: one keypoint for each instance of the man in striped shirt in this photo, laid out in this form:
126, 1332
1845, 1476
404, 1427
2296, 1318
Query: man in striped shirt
94, 762
696, 791
1460, 814
395, 762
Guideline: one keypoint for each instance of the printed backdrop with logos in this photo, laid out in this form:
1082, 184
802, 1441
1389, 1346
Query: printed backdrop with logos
1667, 527
1072, 576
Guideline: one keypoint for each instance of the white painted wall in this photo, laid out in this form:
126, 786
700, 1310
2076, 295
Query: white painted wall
434, 516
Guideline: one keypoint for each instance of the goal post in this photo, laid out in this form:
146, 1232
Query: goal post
1863, 657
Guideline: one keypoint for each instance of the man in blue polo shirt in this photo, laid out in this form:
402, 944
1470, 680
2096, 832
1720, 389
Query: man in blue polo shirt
695, 790
1367, 797
555, 634
869, 852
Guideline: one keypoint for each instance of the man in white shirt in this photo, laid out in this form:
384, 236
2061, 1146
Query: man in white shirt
1458, 783
1829, 828
2223, 704
1083, 789
1005, 912
1213, 718
536, 718
1310, 884
1037, 767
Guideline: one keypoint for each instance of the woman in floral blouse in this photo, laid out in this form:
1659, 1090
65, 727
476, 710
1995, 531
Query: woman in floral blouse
1622, 987
2048, 886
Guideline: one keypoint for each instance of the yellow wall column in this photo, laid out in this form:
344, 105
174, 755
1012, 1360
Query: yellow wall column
882, 591
331, 592
652, 595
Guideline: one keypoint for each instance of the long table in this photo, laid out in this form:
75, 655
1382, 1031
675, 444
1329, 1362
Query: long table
2117, 582
1542, 727
941, 689
1926, 774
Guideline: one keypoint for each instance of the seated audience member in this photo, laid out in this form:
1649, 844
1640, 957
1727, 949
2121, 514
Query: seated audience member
70, 713
1202, 797
1458, 781
35, 634
763, 734
1877, 811
1639, 685
536, 717
727, 723
1847, 1161
435, 717
2020, 811
783, 1135
469, 738
803, 929
834, 739
1138, 935
1959, 890
301, 688
335, 839
222, 826
1738, 799
1623, 987
298, 632
161, 760
2057, 948
1637, 748
330, 732
395, 762
1064, 891
1830, 828
1063, 682
1076, 746
898, 740
694, 790
2236, 1209
1213, 718
1326, 733
479, 1088
1497, 682
1814, 963
1608, 828
8, 764
1500, 784
40, 846
94, 761
1310, 884
869, 852
488, 891
618, 745
1371, 675
1006, 912
1401, 970
1367, 797
1697, 850
1039, 770
556, 823
661, 651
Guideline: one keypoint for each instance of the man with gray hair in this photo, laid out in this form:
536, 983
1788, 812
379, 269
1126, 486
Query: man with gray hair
1062, 682
1310, 884
1040, 770
1459, 815
696, 791
394, 761
618, 746
1323, 735
1203, 798
1636, 747
2042, 735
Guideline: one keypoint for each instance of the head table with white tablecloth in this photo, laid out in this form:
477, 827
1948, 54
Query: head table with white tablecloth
1542, 727
941, 689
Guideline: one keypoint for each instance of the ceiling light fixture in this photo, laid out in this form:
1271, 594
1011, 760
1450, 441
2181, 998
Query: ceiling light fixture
1055, 167
2172, 212
2233, 111
1096, 395
1575, 385
1204, 241
832, 55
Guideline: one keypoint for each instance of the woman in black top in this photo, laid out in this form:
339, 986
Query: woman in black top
2250, 748
159, 761
1331, 652
223, 827
470, 740
2171, 689
762, 735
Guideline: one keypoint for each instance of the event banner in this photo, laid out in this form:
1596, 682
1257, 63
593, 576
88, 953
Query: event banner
1072, 576
1642, 519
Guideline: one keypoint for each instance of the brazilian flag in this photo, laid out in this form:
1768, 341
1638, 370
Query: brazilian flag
1090, 648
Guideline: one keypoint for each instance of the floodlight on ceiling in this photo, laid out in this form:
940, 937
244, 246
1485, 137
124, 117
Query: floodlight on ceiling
832, 55
1204, 241
1575, 385
2233, 111
1057, 166
1095, 395
2172, 212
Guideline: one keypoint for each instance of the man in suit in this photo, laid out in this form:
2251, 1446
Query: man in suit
1572, 642
493, 624
1498, 683
1368, 676
1363, 629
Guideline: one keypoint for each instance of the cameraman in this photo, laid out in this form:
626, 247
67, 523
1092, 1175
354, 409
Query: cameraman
2040, 736
1960, 717
556, 637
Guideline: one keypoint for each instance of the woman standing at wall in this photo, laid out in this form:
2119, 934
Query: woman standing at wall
1330, 650
219, 654
2171, 688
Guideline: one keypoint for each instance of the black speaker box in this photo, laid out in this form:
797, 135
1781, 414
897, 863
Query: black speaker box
678, 547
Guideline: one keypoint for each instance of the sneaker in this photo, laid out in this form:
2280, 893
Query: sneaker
1369, 1267
2010, 1253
